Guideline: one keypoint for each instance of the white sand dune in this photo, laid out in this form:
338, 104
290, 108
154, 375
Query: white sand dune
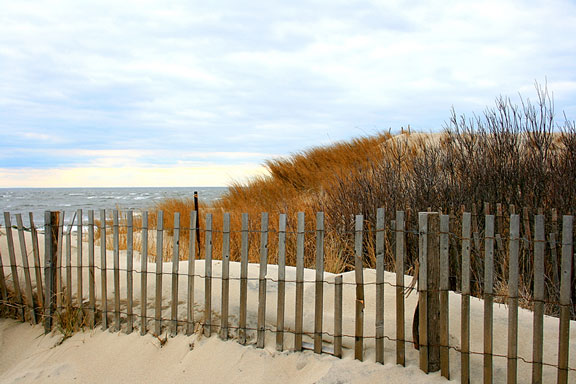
27, 355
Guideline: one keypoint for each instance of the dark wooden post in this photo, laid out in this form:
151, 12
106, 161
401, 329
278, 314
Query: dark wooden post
51, 233
429, 286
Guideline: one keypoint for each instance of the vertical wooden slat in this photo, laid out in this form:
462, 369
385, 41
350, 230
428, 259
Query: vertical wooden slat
243, 278
488, 297
564, 331
129, 274
13, 264
444, 297
553, 237
539, 290
69, 265
51, 251
91, 280
191, 272
208, 278
175, 267
299, 310
338, 316
514, 248
319, 283
261, 333
159, 264
465, 303
422, 290
3, 288
59, 291
37, 262
281, 282
103, 271
359, 274
144, 276
25, 265
380, 285
79, 230
225, 276
400, 255
116, 243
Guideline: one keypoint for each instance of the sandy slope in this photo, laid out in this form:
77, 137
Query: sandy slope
100, 356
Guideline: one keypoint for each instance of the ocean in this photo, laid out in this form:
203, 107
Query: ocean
39, 200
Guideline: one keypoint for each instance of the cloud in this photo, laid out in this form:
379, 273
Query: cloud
196, 80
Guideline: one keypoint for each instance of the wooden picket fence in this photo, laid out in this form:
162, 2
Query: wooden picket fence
53, 286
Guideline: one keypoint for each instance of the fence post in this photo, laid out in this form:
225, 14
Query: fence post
338, 316
175, 269
539, 296
359, 273
400, 237
428, 287
512, 371
208, 277
380, 285
13, 265
261, 326
488, 297
144, 275
465, 301
299, 310
319, 284
564, 331
281, 282
245, 246
51, 231
225, 276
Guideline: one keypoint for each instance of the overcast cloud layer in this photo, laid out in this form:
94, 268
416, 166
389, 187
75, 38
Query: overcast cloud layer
195, 84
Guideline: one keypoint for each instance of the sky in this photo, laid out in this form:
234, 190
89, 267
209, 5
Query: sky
201, 93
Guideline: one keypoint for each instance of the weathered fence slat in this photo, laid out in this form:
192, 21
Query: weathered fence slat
299, 310
129, 272
261, 326
79, 230
208, 277
69, 263
225, 276
380, 285
422, 290
116, 260
59, 291
281, 282
91, 280
319, 283
27, 278
13, 265
338, 316
37, 262
103, 271
488, 297
400, 255
243, 278
539, 291
144, 275
444, 296
51, 252
191, 272
564, 331
175, 267
159, 263
3, 288
359, 275
514, 248
465, 300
